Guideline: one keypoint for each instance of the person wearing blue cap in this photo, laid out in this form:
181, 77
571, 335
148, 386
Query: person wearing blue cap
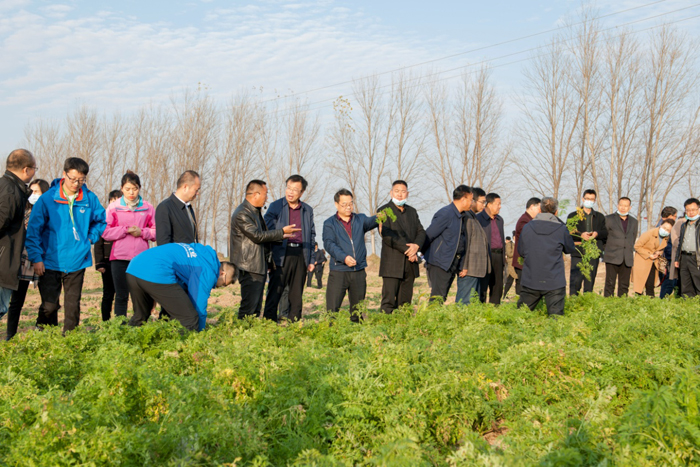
179, 276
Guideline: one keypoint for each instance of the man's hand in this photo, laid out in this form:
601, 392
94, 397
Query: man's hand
463, 273
586, 235
133, 230
350, 261
413, 258
102, 270
290, 230
412, 249
677, 264
311, 268
39, 269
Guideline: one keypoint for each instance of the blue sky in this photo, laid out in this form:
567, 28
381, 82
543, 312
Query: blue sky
122, 55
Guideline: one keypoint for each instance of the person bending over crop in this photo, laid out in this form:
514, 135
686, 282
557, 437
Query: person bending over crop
180, 277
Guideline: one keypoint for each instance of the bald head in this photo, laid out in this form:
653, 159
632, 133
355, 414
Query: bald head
21, 163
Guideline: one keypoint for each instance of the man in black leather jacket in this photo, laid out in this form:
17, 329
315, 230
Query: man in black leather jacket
250, 248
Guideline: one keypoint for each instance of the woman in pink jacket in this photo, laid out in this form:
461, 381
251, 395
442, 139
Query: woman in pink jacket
130, 226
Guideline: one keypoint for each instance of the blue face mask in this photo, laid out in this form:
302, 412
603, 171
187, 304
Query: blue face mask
694, 218
663, 233
588, 204
398, 202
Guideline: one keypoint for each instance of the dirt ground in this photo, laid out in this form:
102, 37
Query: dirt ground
314, 299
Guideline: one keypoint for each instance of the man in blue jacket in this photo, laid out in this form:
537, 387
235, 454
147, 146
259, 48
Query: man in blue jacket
293, 256
64, 222
180, 277
445, 242
344, 239
541, 244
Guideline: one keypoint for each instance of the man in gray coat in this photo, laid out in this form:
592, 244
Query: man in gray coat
619, 248
21, 168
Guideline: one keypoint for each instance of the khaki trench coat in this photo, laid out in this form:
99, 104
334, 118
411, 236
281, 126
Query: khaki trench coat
645, 246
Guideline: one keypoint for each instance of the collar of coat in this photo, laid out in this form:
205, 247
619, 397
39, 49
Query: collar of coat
18, 181
62, 198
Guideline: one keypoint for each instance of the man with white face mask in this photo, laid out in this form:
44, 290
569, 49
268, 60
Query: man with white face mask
619, 249
592, 226
401, 240
688, 251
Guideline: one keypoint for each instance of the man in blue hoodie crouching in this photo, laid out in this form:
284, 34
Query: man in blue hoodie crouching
180, 277
542, 244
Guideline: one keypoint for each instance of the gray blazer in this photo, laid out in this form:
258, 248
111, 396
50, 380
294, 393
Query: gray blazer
619, 247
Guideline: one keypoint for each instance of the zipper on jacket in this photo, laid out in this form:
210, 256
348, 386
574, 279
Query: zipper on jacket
354, 255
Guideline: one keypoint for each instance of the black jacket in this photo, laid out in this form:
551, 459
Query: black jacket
13, 200
103, 250
542, 242
485, 221
395, 235
250, 240
619, 246
320, 258
697, 241
173, 224
598, 225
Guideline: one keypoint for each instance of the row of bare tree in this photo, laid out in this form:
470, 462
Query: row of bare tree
604, 110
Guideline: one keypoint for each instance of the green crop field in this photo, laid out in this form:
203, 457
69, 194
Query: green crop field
614, 382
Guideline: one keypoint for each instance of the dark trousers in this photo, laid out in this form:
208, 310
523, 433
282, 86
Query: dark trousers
689, 275
576, 278
667, 286
121, 288
440, 281
651, 281
617, 273
292, 275
397, 292
493, 281
107, 293
508, 284
252, 288
14, 311
318, 272
354, 283
172, 296
519, 273
554, 299
50, 286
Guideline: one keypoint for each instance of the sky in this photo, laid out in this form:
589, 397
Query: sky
122, 55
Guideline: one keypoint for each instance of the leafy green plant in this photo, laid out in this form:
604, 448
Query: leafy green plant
384, 214
588, 248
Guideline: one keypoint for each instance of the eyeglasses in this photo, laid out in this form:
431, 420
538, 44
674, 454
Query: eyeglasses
33, 167
295, 191
346, 205
79, 181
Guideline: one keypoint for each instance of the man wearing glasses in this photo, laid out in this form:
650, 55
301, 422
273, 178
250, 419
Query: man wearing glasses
250, 247
20, 170
344, 239
64, 222
294, 256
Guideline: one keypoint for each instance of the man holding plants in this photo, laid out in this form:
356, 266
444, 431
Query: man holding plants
542, 243
401, 240
590, 227
64, 222
344, 239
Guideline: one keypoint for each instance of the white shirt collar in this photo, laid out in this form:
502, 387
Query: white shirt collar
183, 202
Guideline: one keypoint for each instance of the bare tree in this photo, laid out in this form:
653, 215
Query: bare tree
46, 141
410, 136
115, 147
84, 140
341, 161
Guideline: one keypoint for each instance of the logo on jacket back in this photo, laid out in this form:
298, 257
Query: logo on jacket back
82, 210
189, 250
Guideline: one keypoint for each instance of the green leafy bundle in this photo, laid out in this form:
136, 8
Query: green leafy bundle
384, 214
588, 248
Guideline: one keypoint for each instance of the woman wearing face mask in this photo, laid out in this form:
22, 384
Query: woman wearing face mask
26, 273
130, 226
648, 249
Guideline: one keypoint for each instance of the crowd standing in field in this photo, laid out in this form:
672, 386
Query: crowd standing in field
47, 231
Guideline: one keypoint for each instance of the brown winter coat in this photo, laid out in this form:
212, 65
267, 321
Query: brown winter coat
645, 246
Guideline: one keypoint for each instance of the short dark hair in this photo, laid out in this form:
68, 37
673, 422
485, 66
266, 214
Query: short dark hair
508, 238
298, 179
532, 201
254, 183
115, 194
460, 192
399, 182
668, 211
589, 191
549, 205
77, 164
624, 198
19, 159
691, 201
478, 192
230, 268
491, 197
342, 192
43, 184
671, 221
187, 177
131, 177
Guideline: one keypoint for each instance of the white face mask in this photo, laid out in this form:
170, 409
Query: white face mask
663, 233
33, 198
623, 214
588, 204
398, 202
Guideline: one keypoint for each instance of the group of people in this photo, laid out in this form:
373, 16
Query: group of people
47, 230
